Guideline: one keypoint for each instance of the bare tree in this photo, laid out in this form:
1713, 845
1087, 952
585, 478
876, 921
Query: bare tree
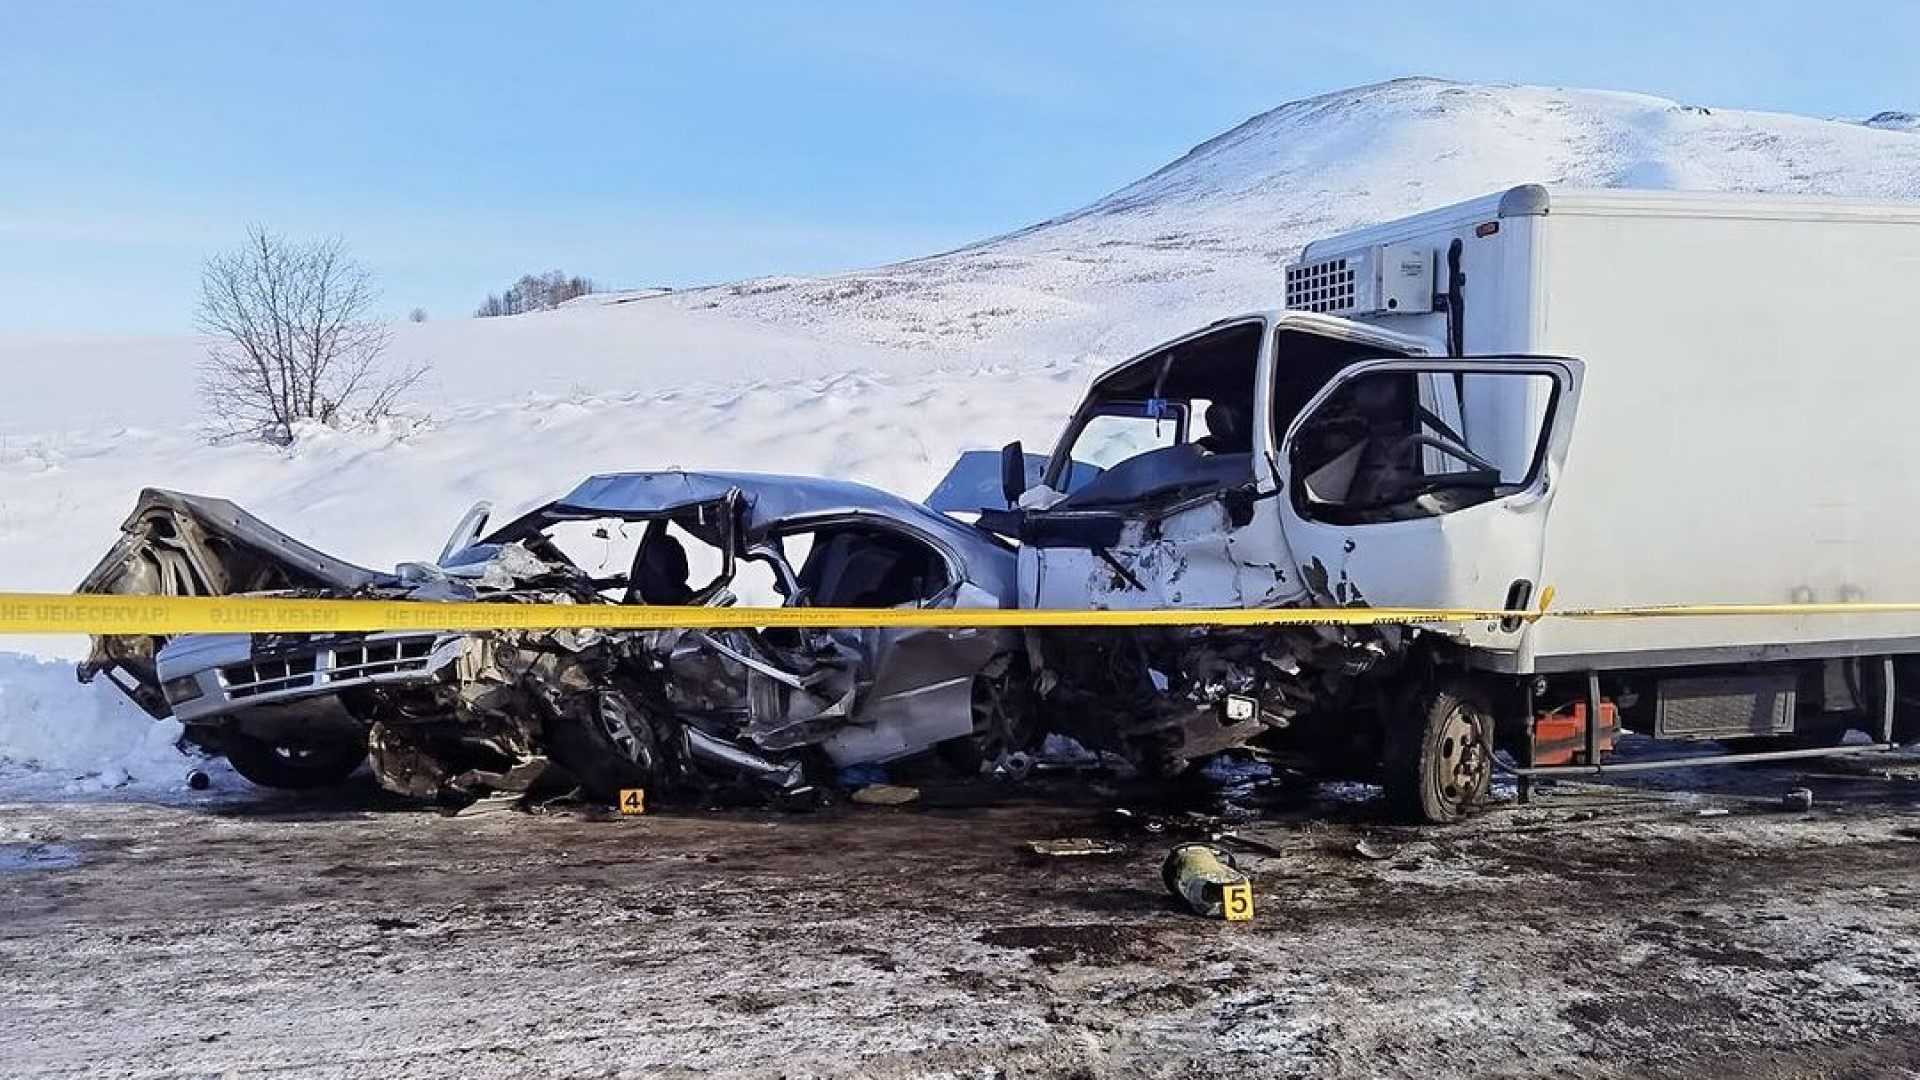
417, 315
295, 339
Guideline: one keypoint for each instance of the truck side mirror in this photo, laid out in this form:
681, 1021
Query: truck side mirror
1013, 472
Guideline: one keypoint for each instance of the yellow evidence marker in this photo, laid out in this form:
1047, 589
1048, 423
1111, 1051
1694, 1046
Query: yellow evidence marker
633, 800
1236, 901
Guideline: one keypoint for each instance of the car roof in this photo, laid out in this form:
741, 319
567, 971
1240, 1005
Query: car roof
769, 500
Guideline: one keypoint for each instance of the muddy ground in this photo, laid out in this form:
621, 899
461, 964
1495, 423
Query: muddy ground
1617, 930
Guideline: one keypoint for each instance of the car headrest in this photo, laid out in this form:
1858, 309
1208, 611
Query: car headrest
660, 572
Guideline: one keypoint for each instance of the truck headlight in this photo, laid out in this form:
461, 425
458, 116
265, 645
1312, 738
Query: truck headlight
181, 690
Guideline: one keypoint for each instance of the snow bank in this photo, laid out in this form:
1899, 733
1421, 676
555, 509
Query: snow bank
57, 736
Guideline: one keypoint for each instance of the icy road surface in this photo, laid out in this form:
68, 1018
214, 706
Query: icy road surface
1604, 932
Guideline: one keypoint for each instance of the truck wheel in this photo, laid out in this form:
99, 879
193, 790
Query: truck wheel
1439, 756
293, 765
607, 745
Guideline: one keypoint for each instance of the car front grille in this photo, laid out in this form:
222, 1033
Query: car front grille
330, 664
268, 676
379, 658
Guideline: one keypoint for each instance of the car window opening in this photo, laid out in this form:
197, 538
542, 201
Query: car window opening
863, 567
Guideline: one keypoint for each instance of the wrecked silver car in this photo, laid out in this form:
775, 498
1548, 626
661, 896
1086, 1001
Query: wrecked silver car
452, 715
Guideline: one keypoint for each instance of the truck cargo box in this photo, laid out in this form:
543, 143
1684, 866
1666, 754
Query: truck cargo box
1746, 426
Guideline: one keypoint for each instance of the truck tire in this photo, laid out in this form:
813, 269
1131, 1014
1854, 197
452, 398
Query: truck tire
1438, 755
293, 766
607, 746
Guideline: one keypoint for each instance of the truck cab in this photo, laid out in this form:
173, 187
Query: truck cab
1299, 459
1285, 459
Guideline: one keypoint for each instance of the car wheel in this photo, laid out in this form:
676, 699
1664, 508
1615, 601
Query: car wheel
607, 744
1004, 724
1439, 756
321, 763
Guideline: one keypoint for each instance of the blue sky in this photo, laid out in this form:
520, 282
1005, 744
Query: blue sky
456, 146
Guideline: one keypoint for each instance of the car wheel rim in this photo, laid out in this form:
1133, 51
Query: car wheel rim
625, 728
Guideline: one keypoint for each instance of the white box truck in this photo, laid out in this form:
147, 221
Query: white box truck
1588, 398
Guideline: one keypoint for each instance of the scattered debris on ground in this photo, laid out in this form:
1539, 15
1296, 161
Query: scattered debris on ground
1207, 879
1076, 847
1604, 931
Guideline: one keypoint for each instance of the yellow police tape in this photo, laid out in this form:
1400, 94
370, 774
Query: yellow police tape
83, 613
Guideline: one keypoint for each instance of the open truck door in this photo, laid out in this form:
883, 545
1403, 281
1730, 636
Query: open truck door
1160, 491
1426, 483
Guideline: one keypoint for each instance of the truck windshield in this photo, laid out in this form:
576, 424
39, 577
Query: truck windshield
1381, 446
1122, 431
1165, 416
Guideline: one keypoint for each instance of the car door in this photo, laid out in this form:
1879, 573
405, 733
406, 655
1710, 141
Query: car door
896, 690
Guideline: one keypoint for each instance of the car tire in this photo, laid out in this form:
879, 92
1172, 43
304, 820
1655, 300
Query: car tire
1438, 756
293, 766
607, 744
1003, 721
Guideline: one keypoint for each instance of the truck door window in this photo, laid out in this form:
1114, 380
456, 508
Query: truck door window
1380, 448
1303, 364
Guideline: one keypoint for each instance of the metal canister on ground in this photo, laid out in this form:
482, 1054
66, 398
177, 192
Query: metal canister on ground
1208, 881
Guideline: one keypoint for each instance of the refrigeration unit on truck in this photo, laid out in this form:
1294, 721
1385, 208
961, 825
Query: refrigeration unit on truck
1581, 399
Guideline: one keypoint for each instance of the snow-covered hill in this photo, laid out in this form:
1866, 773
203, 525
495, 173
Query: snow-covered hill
880, 375
1204, 236
1207, 234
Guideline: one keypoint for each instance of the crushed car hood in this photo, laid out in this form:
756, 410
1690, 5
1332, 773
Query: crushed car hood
175, 544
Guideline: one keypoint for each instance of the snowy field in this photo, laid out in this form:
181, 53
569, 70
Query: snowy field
880, 375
